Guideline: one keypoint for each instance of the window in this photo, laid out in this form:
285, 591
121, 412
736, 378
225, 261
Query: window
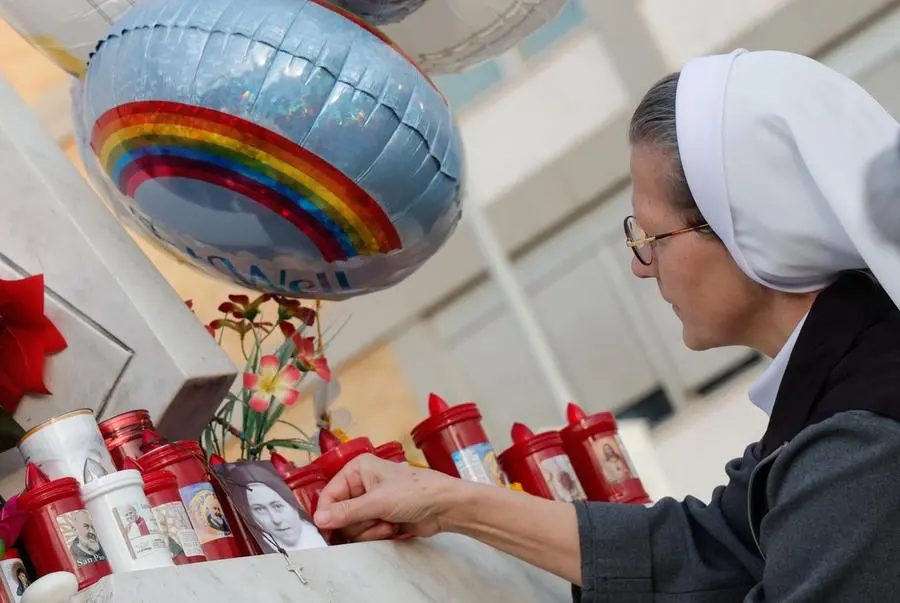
462, 89
571, 17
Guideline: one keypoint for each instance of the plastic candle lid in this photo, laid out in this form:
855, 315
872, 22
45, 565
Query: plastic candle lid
526, 442
440, 416
112, 481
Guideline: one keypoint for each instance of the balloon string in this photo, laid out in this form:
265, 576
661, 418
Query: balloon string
319, 345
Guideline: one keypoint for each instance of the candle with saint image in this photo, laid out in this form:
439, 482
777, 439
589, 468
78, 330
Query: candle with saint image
161, 489
60, 535
454, 442
599, 458
216, 528
539, 464
128, 530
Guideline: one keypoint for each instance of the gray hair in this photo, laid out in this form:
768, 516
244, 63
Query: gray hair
653, 125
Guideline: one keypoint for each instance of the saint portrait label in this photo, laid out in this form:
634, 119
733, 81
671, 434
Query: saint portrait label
80, 537
15, 578
560, 477
178, 531
140, 529
615, 465
478, 463
205, 512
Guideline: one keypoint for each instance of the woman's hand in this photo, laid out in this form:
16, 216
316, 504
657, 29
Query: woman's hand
374, 499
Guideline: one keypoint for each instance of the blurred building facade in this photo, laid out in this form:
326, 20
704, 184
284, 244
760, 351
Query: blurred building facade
547, 158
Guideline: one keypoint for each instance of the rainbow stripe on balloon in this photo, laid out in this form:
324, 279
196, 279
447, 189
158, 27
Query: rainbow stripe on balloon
142, 141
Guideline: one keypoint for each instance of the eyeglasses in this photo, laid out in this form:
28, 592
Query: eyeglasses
641, 244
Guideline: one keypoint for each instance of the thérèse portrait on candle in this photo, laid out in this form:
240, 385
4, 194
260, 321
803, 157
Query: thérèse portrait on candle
755, 213
273, 514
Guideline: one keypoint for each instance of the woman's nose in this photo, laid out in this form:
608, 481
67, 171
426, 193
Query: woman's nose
641, 271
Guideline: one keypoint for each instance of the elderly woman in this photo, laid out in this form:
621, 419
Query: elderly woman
749, 173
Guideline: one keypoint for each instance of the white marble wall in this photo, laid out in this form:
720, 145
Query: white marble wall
132, 342
444, 569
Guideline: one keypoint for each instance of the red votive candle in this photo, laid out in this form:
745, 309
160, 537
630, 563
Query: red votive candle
59, 534
598, 456
540, 465
335, 454
161, 488
391, 451
123, 435
186, 462
454, 442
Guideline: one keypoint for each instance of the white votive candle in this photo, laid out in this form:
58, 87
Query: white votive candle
125, 524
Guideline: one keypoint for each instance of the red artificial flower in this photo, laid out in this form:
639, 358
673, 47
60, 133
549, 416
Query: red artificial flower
289, 308
242, 328
308, 359
241, 307
287, 329
27, 337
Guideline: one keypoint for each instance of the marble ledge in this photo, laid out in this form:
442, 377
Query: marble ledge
443, 569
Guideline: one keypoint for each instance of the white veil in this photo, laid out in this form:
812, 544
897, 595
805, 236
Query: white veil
776, 149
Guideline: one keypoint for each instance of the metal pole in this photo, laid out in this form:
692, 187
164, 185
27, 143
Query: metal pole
501, 271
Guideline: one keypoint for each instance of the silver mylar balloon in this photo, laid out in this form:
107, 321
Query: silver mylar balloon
447, 36
275, 143
380, 12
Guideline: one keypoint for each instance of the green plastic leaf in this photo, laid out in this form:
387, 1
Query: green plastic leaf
293, 444
10, 431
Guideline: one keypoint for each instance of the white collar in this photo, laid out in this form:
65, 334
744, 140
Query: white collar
765, 390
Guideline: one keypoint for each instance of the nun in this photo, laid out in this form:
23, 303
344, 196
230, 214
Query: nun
751, 211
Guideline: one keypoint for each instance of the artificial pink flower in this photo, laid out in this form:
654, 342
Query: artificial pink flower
272, 382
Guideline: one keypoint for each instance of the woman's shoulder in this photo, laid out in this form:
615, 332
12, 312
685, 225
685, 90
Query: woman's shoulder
868, 375
847, 445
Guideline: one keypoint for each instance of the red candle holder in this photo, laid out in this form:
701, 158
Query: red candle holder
599, 458
391, 451
540, 465
59, 534
215, 529
123, 435
335, 454
306, 483
161, 488
454, 442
